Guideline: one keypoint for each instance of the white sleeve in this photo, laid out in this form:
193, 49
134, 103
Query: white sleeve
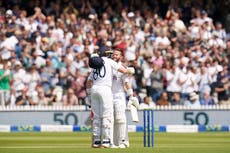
114, 64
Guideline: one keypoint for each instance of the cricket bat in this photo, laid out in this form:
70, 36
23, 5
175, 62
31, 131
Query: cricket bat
134, 113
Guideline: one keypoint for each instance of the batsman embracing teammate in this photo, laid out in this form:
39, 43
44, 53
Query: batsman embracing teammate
99, 86
121, 82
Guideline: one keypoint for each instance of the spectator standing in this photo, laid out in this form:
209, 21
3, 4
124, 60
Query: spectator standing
178, 23
172, 77
216, 41
32, 79
19, 88
213, 69
130, 53
22, 20
205, 32
205, 18
194, 30
222, 86
204, 79
70, 8
156, 82
5, 80
187, 81
8, 45
119, 40
220, 31
162, 41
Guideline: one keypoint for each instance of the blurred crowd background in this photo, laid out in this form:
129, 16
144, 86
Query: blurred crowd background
180, 49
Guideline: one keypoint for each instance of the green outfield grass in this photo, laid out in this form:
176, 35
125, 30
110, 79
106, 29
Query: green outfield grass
214, 142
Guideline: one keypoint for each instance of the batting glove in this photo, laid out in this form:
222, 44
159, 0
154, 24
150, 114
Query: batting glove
133, 101
131, 70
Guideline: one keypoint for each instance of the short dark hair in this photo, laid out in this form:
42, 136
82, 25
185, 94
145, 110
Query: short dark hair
118, 49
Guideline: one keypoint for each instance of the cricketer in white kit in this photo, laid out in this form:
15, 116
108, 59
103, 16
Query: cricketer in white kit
120, 85
99, 86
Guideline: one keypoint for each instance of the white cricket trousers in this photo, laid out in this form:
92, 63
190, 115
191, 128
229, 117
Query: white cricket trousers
120, 129
102, 106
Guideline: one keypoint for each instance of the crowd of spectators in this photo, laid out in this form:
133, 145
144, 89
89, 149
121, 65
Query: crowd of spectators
180, 56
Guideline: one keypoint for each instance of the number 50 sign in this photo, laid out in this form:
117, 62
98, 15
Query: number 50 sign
199, 118
66, 119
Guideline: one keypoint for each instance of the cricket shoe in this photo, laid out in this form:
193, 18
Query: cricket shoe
96, 144
106, 144
124, 144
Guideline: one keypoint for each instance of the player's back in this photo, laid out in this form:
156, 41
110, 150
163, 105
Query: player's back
103, 76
